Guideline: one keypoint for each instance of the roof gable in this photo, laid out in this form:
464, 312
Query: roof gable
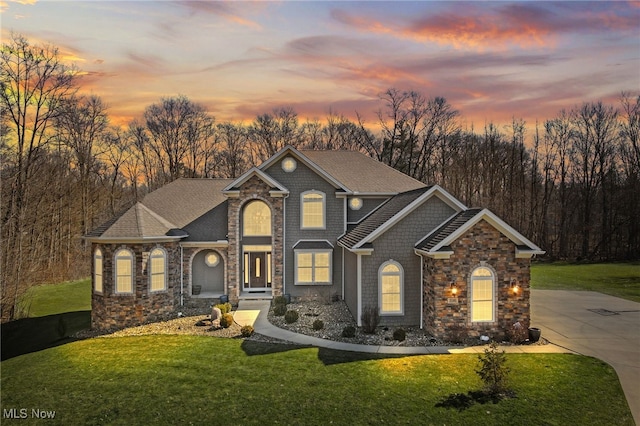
234, 187
440, 239
391, 212
289, 150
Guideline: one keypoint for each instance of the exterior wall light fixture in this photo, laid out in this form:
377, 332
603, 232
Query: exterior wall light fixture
514, 286
454, 288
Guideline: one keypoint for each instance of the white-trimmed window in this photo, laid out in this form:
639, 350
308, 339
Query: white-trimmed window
256, 219
391, 279
313, 267
482, 295
124, 271
97, 271
158, 269
313, 210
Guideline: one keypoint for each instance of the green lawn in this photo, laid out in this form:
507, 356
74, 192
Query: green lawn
202, 380
616, 279
59, 298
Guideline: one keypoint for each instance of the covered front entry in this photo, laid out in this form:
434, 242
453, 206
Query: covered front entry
207, 274
257, 268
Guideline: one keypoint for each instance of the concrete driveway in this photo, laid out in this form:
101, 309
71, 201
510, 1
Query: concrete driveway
594, 324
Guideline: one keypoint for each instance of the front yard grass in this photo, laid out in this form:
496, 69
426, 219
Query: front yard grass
52, 299
616, 279
203, 380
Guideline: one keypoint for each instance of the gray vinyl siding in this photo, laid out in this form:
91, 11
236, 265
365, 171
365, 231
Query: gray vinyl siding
351, 281
301, 180
398, 244
368, 205
210, 278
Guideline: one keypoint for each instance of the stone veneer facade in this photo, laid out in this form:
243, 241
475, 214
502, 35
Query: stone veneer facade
114, 311
481, 245
254, 189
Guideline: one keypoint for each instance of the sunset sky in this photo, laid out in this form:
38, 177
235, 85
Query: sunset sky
491, 60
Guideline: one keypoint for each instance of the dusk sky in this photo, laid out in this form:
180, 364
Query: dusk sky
491, 60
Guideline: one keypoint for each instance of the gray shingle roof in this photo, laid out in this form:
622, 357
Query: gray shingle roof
360, 173
448, 228
176, 205
380, 216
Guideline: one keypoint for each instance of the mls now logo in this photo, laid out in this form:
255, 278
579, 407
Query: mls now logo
23, 413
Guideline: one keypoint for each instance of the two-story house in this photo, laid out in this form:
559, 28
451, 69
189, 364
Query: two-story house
325, 223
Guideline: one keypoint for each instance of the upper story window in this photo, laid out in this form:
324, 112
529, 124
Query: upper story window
482, 295
124, 271
313, 210
391, 288
256, 219
97, 271
157, 269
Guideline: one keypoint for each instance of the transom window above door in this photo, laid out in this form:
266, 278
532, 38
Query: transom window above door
256, 219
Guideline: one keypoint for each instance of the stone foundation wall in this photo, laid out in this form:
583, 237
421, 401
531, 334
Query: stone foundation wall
115, 311
449, 317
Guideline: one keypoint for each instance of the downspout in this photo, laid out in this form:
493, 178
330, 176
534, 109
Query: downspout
344, 230
359, 289
181, 275
421, 292
284, 243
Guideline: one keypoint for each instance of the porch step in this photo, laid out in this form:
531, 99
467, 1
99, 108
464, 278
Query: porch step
255, 296
248, 311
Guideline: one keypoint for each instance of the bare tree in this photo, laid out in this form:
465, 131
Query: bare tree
178, 128
33, 83
230, 158
596, 131
81, 127
269, 133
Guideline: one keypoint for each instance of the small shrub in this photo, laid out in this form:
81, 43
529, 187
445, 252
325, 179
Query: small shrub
318, 325
225, 308
349, 331
399, 334
517, 333
493, 370
457, 334
246, 330
291, 316
279, 300
226, 321
370, 319
279, 310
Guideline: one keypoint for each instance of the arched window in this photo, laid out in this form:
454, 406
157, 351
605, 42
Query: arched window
256, 220
97, 271
124, 271
482, 295
313, 210
391, 287
157, 270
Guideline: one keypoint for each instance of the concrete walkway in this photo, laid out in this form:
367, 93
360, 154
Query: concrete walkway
255, 313
581, 322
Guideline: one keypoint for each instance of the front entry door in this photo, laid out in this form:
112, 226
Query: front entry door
257, 270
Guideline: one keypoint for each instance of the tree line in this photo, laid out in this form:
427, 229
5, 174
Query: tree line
572, 187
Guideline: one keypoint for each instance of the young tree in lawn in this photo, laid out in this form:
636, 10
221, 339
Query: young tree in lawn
33, 83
